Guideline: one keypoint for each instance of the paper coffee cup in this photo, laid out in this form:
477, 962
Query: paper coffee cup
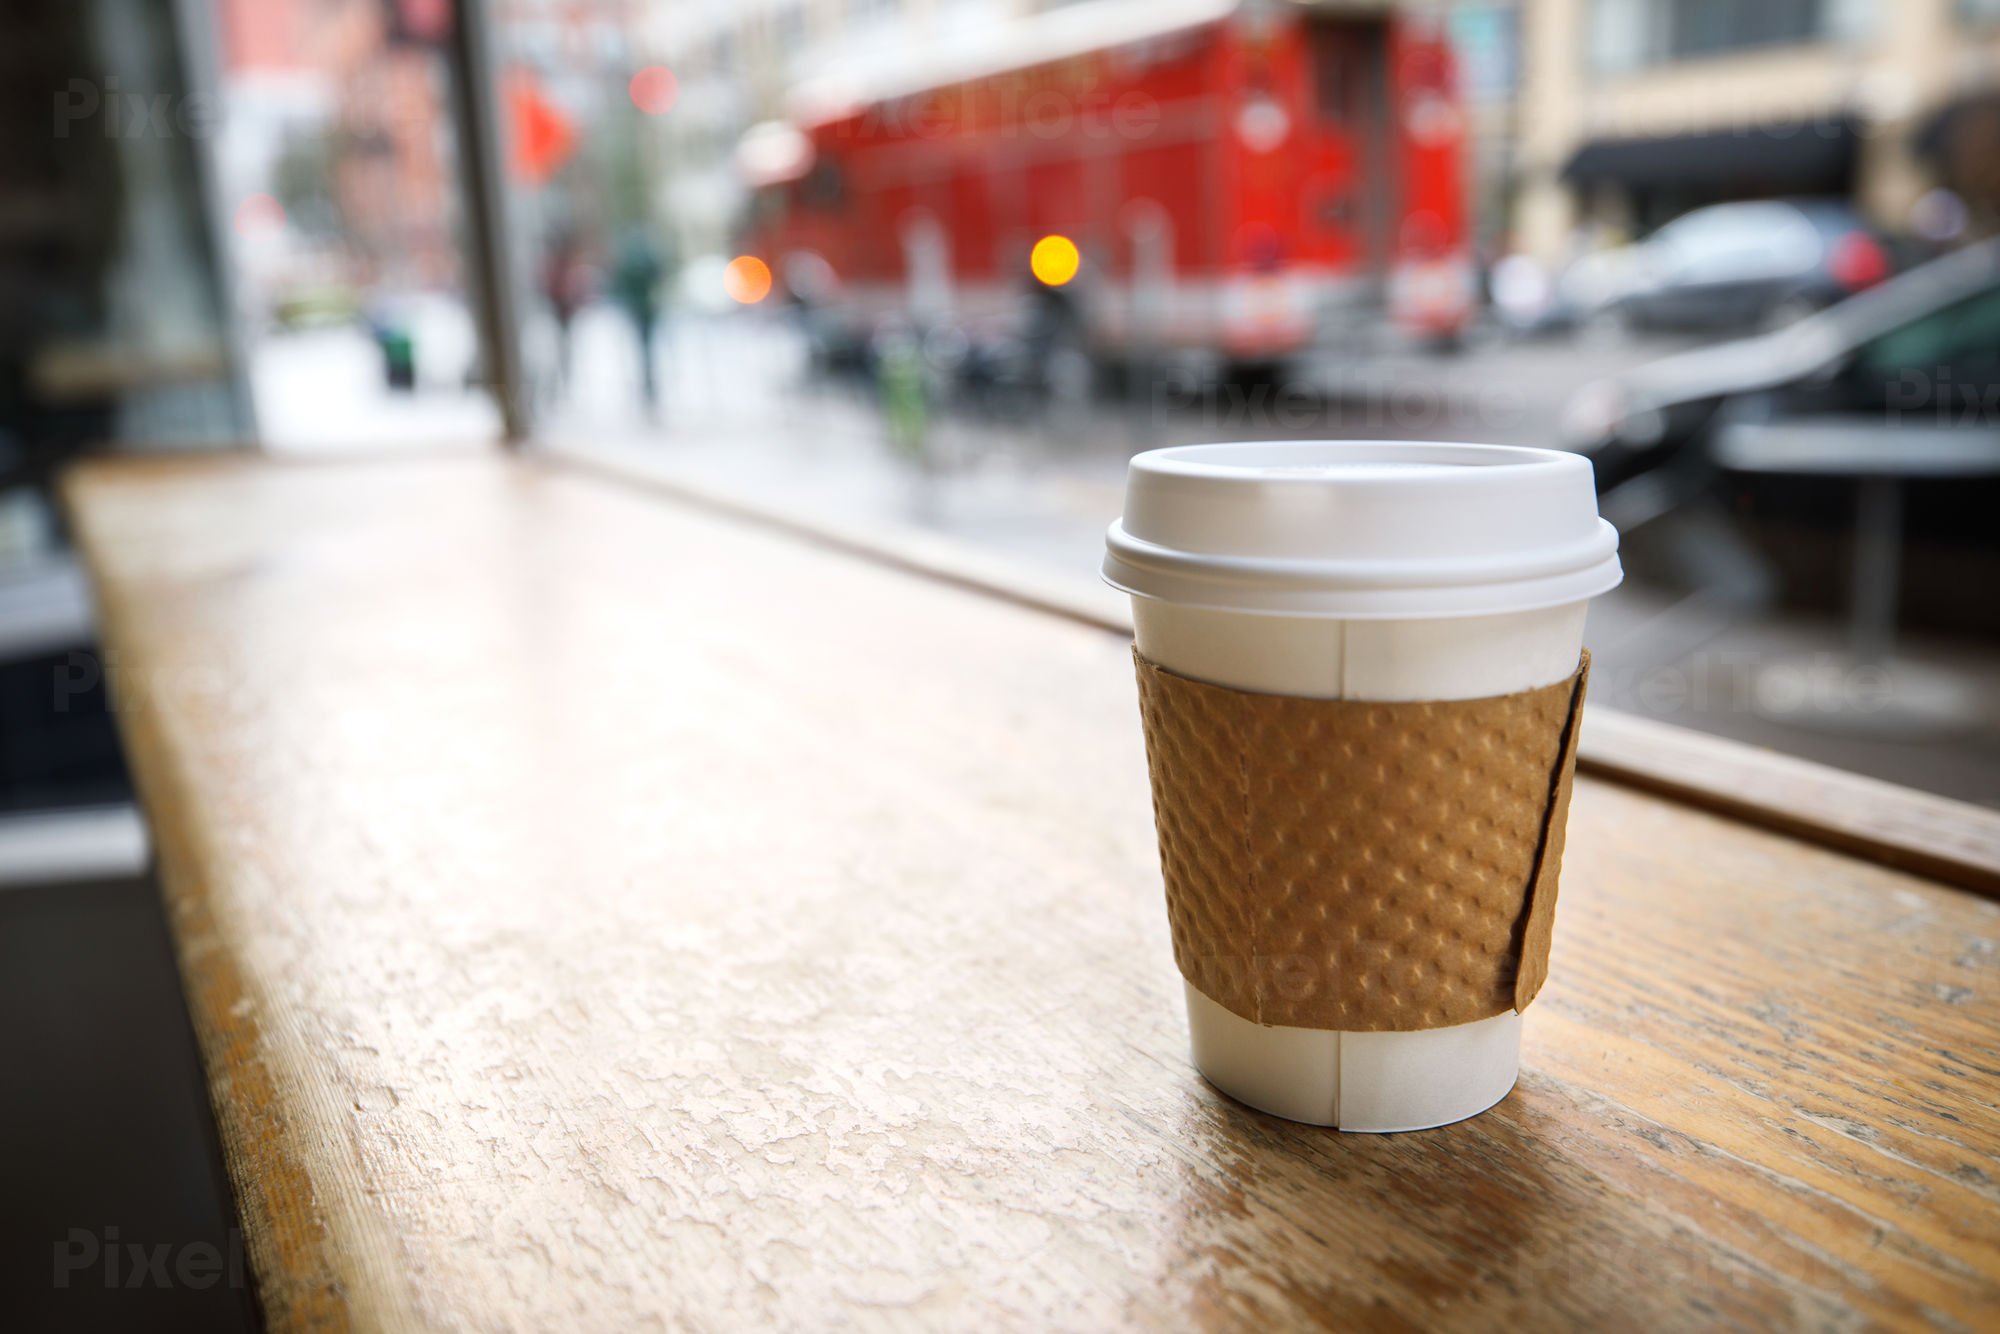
1361, 570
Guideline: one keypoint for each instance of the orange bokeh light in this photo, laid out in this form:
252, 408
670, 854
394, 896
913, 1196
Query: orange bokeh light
654, 90
1055, 260
747, 280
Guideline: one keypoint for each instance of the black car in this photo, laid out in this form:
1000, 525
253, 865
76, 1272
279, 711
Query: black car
1794, 464
1919, 351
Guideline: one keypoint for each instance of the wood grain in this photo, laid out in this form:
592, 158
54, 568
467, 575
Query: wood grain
602, 915
1953, 841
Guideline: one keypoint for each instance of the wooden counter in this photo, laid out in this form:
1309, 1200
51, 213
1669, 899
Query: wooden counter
602, 914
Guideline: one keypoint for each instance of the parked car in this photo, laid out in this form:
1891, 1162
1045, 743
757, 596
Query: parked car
1920, 350
1762, 264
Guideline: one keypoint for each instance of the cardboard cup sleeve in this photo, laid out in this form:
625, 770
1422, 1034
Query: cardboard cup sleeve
1356, 865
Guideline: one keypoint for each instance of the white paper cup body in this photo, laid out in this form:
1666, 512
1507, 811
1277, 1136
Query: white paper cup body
1366, 1081
1360, 1081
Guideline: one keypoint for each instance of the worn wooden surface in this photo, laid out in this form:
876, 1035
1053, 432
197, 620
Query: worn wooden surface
598, 914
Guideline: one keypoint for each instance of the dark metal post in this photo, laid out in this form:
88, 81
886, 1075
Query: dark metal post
1878, 552
496, 295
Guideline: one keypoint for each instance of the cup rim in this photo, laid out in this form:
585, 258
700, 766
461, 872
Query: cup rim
1457, 463
1580, 562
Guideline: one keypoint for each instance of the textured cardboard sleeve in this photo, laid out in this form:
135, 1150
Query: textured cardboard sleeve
1358, 865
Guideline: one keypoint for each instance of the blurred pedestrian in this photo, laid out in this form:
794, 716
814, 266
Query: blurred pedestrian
565, 282
636, 272
904, 394
1940, 219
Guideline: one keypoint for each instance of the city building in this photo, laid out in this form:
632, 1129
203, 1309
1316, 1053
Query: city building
1633, 111
335, 110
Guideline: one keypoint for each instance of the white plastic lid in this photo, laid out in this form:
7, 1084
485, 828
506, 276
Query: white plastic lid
1362, 529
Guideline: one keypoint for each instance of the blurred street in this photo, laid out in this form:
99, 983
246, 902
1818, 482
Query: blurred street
742, 411
743, 420
322, 390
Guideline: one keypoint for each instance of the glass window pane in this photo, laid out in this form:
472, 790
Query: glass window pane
342, 183
945, 267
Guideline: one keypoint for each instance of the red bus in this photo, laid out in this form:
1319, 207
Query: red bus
1136, 177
